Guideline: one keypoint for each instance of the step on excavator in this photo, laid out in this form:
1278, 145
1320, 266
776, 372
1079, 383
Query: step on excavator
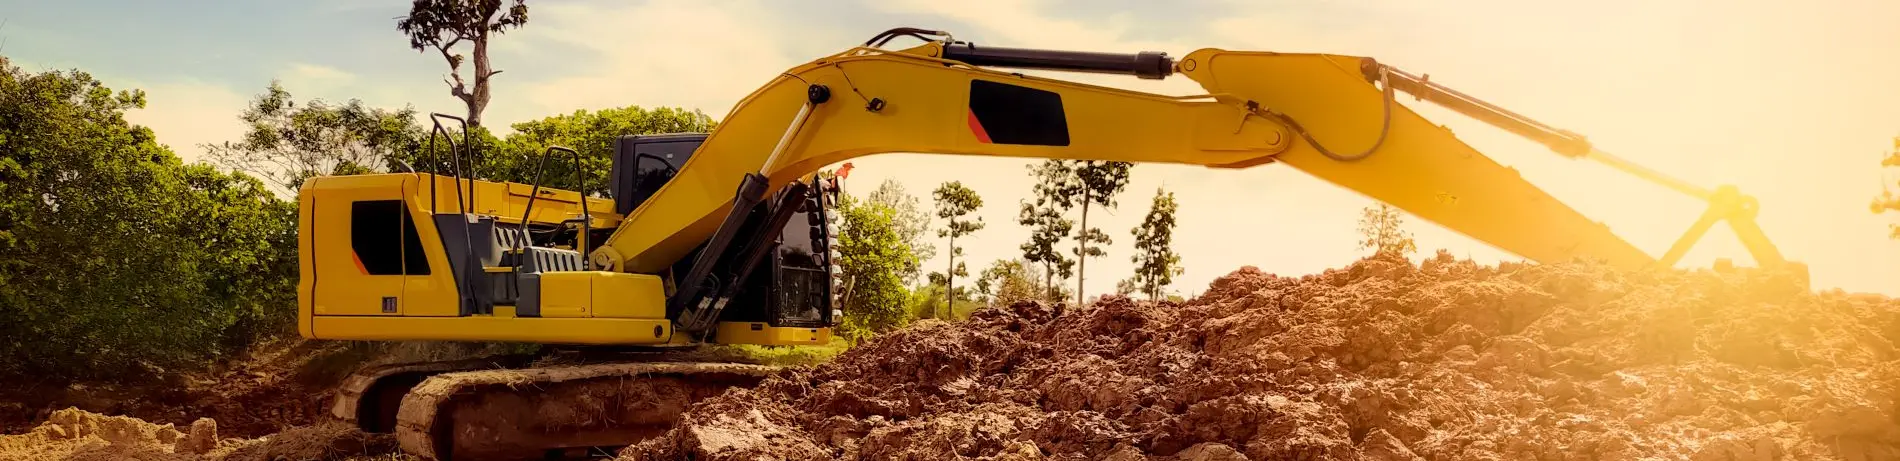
728, 237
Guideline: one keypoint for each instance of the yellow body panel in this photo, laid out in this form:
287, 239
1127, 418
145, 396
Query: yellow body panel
767, 335
566, 294
621, 295
592, 331
602, 294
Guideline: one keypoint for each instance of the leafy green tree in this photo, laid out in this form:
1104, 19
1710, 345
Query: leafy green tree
1007, 281
1054, 193
1100, 182
1379, 224
288, 143
443, 24
592, 134
1888, 201
118, 261
870, 256
1156, 263
954, 201
912, 224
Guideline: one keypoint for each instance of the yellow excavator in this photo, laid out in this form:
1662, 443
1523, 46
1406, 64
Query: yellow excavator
728, 237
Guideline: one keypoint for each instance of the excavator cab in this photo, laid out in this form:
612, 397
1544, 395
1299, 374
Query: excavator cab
435, 256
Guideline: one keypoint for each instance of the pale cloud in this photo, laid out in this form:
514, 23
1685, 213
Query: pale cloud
692, 54
304, 76
186, 115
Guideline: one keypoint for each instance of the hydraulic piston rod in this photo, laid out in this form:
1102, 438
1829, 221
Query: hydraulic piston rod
1147, 64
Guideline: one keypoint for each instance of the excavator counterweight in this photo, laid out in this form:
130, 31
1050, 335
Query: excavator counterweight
728, 237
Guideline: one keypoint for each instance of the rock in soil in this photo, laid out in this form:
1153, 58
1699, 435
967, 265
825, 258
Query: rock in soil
1381, 360
77, 435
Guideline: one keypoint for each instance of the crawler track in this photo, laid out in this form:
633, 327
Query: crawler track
370, 396
530, 413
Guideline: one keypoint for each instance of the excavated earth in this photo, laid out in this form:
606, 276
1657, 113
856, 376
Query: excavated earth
1381, 360
77, 435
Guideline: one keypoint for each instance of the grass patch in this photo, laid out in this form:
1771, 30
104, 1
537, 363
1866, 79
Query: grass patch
786, 355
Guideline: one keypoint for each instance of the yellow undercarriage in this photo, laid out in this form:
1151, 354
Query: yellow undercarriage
504, 326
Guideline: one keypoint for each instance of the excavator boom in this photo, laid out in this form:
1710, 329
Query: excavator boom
1298, 109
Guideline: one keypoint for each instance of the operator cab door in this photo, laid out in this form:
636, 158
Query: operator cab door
365, 235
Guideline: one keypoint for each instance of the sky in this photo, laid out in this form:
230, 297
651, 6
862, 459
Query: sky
1793, 102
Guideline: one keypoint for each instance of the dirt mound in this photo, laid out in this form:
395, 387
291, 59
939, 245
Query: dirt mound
77, 435
1381, 360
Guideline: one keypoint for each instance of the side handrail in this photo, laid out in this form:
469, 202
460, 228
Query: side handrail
580, 185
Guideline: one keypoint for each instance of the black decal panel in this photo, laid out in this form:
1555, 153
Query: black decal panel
1001, 113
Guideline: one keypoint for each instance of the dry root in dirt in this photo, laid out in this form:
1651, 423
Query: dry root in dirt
76, 435
1382, 360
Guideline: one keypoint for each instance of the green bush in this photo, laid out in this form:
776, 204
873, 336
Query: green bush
116, 258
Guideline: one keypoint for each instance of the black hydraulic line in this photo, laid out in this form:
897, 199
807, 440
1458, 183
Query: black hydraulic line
886, 36
783, 209
1146, 64
1563, 142
751, 191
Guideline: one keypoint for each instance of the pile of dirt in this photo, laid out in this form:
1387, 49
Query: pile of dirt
77, 435
272, 387
1381, 360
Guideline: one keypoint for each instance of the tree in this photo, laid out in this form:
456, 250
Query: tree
1156, 263
443, 24
1379, 224
911, 221
1054, 192
117, 260
592, 134
1100, 182
287, 143
1888, 201
870, 254
954, 201
1008, 281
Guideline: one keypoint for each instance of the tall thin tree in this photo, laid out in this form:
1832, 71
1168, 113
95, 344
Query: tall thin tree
954, 203
1100, 182
1055, 192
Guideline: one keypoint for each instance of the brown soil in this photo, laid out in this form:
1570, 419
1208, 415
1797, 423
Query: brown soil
276, 386
518, 414
273, 387
78, 435
1382, 360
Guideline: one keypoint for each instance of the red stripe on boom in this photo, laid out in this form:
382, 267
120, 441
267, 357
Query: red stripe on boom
976, 127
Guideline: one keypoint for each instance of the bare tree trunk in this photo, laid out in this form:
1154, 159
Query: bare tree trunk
1049, 281
478, 99
950, 275
1082, 256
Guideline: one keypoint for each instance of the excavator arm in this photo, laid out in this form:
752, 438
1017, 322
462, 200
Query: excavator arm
1299, 109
